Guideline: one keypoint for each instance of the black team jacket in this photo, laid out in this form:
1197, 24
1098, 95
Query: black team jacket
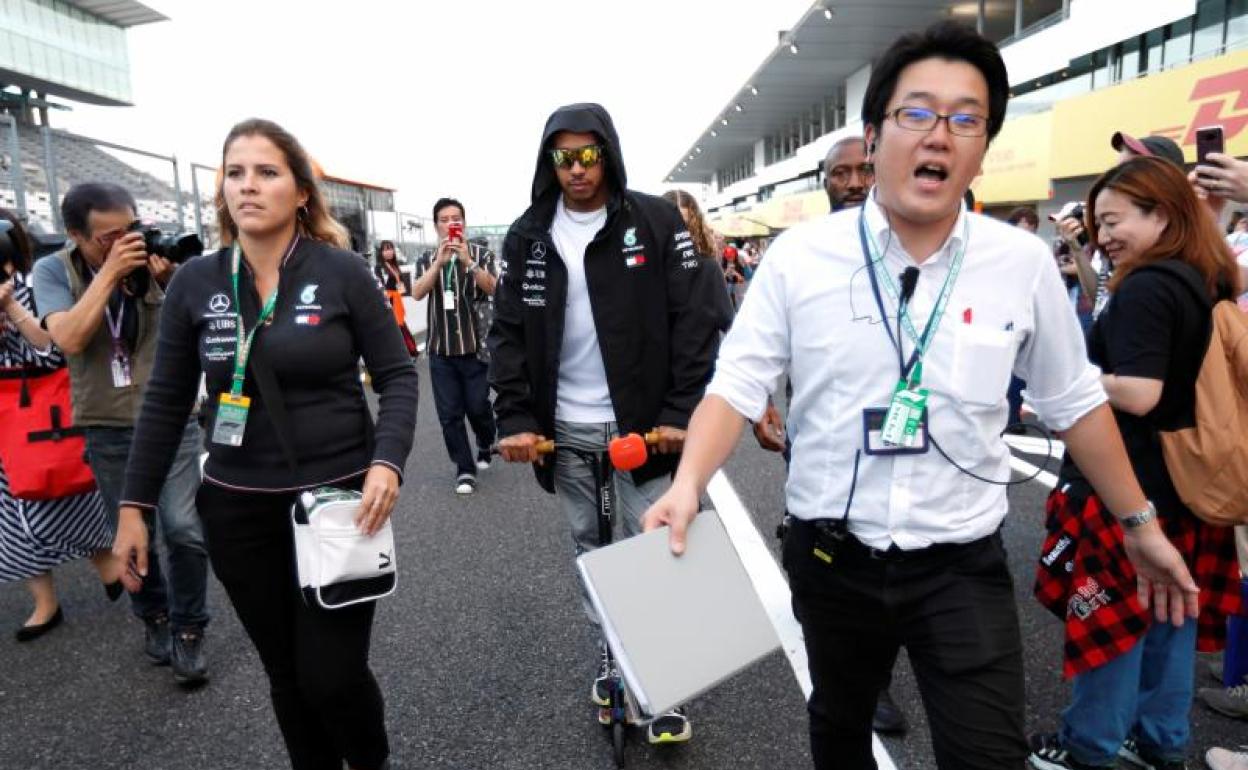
655, 312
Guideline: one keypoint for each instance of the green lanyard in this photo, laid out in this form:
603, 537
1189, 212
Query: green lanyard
449, 276
921, 342
242, 350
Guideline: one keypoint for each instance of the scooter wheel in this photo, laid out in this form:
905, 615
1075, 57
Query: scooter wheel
617, 743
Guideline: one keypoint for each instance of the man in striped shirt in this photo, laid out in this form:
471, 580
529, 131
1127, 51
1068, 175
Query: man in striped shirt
456, 277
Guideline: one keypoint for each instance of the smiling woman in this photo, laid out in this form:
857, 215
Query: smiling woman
285, 314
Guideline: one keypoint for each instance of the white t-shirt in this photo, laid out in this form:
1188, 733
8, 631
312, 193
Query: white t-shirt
583, 395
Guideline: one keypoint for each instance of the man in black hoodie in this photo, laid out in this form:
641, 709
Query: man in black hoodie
604, 325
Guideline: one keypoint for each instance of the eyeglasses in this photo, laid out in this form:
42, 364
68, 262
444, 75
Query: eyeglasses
843, 173
923, 119
588, 156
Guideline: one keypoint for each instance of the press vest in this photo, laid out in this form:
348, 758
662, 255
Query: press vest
96, 402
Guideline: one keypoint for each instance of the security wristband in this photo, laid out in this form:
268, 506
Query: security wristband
1139, 518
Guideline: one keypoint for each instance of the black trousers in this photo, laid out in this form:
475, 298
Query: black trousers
951, 607
328, 705
460, 389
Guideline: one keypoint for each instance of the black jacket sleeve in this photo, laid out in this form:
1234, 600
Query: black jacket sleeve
695, 309
393, 373
169, 397
509, 376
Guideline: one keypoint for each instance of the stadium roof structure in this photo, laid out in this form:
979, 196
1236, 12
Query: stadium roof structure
121, 13
832, 40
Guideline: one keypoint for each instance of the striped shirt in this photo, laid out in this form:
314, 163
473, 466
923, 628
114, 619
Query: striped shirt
453, 330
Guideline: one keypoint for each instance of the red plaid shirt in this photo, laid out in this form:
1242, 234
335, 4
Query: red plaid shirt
1085, 578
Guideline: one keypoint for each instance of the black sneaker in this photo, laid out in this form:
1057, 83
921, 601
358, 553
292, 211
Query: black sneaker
888, 719
157, 641
1047, 753
190, 668
600, 690
672, 727
465, 484
1137, 757
483, 459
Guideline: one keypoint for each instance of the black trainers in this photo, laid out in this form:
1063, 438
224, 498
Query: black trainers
600, 690
483, 459
1047, 753
157, 641
1136, 757
465, 484
888, 719
672, 727
190, 668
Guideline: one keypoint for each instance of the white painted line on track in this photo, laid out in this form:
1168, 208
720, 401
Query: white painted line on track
772, 588
1034, 445
1026, 468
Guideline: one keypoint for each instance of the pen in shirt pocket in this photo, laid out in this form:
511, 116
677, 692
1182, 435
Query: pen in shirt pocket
966, 316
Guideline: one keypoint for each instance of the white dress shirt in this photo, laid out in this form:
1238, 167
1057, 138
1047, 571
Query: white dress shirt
811, 310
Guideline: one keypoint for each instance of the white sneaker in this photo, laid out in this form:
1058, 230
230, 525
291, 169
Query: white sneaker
466, 484
1222, 759
483, 460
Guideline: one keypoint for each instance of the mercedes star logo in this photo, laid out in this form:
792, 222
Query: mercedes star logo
219, 303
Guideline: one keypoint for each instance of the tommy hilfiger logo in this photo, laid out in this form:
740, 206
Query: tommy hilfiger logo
636, 260
308, 319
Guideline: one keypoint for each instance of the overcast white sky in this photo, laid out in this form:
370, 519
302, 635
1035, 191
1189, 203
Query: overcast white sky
438, 98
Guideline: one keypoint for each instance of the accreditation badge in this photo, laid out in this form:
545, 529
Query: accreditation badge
448, 301
902, 427
120, 367
231, 420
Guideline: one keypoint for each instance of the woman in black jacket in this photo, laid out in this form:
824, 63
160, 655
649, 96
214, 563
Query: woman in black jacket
313, 310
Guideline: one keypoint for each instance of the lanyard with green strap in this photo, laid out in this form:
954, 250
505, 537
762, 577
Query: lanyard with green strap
232, 407
904, 423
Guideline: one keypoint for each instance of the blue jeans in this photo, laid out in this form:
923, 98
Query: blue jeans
184, 579
460, 390
1145, 693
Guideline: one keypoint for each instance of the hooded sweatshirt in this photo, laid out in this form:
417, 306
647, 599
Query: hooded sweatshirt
654, 311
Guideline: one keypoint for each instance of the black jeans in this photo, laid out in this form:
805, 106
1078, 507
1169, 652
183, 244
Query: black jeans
328, 705
953, 609
460, 389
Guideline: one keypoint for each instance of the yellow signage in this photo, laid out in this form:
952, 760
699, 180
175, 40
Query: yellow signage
1173, 104
783, 213
1016, 167
738, 225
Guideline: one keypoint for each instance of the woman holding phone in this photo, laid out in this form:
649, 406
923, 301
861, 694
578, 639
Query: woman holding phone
282, 303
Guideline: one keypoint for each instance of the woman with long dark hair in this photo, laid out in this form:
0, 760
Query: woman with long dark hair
1133, 676
704, 244
396, 285
282, 303
38, 535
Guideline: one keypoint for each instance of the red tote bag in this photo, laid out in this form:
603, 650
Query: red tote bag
42, 455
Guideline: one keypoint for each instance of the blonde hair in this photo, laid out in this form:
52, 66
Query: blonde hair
703, 240
313, 219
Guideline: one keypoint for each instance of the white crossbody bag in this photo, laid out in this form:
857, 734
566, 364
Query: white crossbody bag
339, 565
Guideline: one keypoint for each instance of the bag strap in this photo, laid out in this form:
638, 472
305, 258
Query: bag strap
275, 404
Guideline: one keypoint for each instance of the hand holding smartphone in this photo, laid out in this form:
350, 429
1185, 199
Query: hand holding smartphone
1209, 139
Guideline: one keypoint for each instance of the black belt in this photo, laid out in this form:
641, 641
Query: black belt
893, 554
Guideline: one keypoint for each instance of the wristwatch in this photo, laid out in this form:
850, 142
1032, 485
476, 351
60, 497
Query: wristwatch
1139, 518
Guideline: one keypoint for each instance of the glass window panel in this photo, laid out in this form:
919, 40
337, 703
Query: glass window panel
1210, 18
1154, 42
1178, 49
1129, 61
1236, 23
1038, 10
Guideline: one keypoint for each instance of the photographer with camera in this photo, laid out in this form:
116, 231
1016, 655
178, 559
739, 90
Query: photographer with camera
100, 300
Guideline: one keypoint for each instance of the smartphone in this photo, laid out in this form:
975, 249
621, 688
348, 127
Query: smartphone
1208, 139
455, 231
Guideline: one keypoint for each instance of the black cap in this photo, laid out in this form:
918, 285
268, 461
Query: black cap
1154, 146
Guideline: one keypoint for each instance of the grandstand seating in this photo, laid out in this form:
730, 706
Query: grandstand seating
80, 160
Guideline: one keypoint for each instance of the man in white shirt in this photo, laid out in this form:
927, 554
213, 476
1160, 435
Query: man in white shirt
895, 536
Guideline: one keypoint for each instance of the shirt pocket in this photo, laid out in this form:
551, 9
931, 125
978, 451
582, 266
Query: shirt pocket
983, 359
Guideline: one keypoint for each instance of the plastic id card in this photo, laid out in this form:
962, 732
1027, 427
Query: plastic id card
231, 420
873, 441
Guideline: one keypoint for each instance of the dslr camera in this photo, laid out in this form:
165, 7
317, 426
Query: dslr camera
175, 248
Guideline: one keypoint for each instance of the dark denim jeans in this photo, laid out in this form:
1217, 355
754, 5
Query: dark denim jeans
179, 586
460, 390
